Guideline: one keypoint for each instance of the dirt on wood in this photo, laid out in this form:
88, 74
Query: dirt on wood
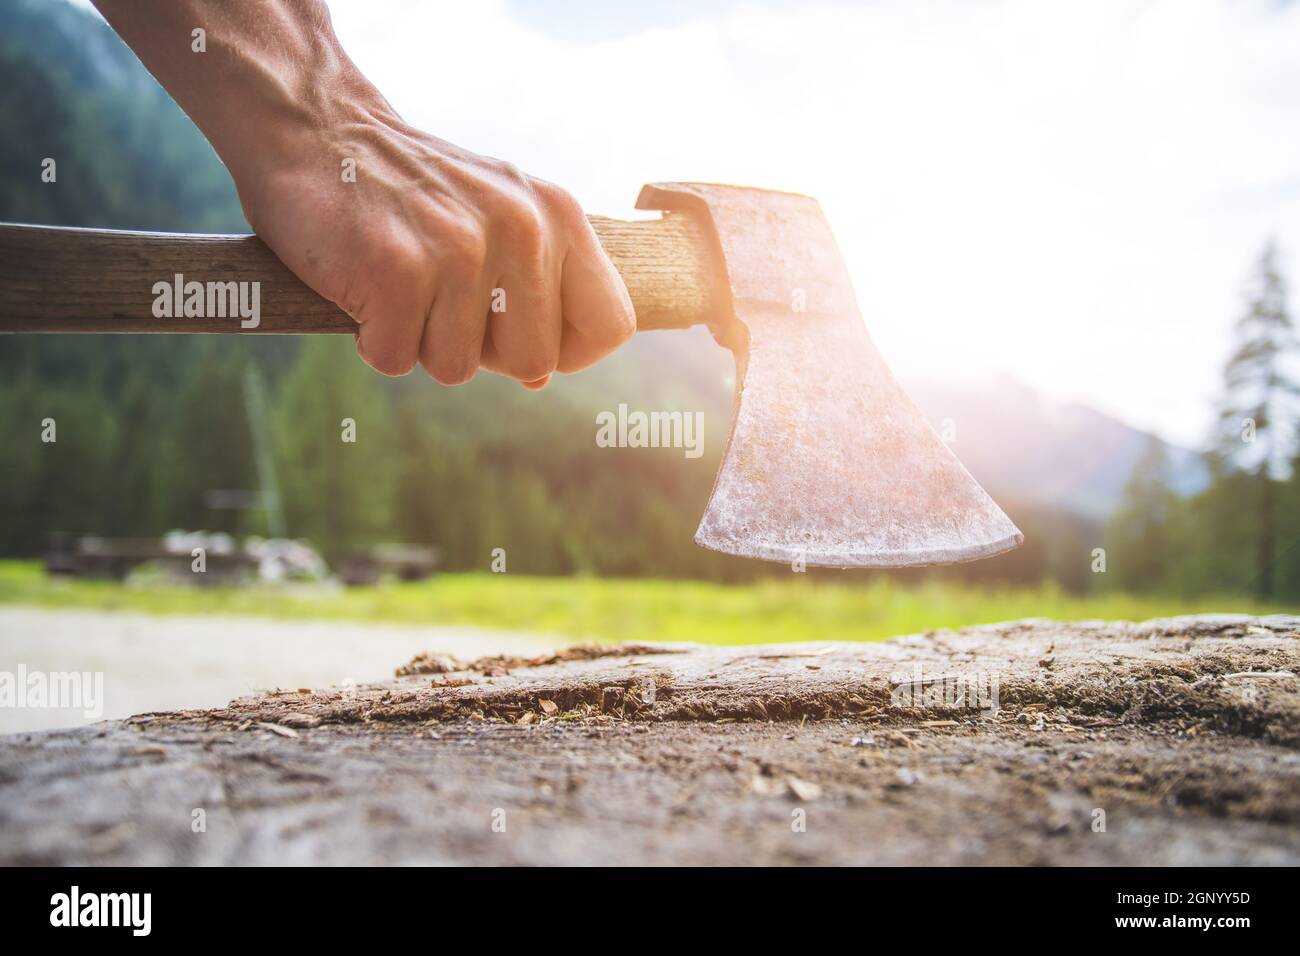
1167, 742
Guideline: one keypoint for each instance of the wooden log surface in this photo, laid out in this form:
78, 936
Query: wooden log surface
1182, 732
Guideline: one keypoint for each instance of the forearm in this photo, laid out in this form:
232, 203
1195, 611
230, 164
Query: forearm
270, 75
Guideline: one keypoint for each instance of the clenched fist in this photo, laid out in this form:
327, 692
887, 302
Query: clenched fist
444, 258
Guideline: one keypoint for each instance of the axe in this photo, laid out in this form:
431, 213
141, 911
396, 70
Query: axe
828, 461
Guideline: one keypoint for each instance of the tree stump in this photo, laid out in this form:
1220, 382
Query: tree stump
1034, 742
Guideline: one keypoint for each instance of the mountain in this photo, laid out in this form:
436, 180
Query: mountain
1020, 445
1025, 446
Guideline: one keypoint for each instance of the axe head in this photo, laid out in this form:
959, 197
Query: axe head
828, 461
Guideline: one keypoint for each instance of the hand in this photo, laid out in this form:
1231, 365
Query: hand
445, 258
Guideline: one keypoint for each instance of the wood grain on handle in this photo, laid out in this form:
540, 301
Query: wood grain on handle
91, 280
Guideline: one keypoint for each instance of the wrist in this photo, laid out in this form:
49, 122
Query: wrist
304, 138
283, 115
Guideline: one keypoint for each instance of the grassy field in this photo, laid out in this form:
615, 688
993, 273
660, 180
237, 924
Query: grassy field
619, 610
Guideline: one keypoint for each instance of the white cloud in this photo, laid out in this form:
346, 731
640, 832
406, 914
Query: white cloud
1071, 193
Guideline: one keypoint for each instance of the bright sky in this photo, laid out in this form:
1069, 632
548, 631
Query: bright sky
1070, 193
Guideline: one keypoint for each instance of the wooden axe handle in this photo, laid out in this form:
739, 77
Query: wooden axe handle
94, 280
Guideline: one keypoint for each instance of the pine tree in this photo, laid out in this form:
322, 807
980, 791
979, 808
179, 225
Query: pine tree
1138, 535
1258, 416
1288, 558
335, 449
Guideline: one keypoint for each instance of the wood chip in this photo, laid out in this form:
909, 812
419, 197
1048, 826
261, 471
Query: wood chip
549, 707
303, 721
278, 729
1259, 674
940, 723
450, 682
781, 655
803, 789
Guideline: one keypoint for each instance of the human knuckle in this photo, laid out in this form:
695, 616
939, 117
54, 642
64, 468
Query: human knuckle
391, 362
511, 173
614, 324
398, 366
462, 247
521, 223
621, 324
558, 200
448, 368
396, 266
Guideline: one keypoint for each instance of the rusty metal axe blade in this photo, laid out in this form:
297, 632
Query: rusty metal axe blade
828, 461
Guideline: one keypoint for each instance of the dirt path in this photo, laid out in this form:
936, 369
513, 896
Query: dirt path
1184, 733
